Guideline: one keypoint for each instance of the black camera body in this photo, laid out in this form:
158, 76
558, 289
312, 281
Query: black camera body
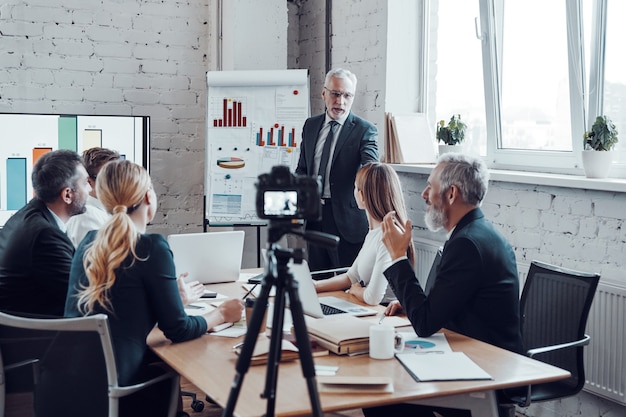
284, 196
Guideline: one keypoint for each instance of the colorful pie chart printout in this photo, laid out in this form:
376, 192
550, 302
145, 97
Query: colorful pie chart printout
419, 344
231, 163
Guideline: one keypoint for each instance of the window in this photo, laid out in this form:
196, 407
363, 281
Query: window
516, 72
458, 70
614, 90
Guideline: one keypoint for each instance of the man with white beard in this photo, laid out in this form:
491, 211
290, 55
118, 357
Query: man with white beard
476, 285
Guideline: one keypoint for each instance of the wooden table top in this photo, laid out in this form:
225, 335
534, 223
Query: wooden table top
209, 363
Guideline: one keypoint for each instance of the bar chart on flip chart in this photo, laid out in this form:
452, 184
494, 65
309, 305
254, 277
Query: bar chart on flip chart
254, 122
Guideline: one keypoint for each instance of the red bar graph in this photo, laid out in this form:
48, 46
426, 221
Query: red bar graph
231, 114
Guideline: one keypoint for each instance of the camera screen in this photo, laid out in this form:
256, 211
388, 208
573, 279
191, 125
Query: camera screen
280, 203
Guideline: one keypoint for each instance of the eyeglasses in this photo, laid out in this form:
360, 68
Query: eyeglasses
337, 94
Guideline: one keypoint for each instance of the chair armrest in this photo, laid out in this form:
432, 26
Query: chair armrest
536, 351
118, 392
21, 364
334, 270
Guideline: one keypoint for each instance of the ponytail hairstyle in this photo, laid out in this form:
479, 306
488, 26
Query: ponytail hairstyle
382, 193
121, 187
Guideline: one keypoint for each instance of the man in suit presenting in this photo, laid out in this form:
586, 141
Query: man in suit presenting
35, 252
334, 146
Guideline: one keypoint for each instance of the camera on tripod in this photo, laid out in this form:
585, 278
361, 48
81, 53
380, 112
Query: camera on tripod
284, 196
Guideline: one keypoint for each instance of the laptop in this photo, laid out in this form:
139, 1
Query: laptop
319, 307
208, 257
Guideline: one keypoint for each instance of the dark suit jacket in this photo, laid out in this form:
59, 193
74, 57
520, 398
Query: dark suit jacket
356, 146
476, 291
35, 259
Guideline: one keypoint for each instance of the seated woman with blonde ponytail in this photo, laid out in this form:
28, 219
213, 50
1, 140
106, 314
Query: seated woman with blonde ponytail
122, 271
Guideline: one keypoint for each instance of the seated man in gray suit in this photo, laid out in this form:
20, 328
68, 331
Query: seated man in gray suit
35, 252
476, 287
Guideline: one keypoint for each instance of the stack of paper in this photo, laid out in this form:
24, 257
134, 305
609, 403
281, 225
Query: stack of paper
354, 384
431, 359
262, 347
341, 334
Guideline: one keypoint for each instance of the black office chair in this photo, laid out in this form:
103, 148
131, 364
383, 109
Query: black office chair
73, 366
554, 308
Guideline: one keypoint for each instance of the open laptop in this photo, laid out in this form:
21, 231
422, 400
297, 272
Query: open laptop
318, 307
208, 257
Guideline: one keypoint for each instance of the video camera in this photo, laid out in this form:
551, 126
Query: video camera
284, 196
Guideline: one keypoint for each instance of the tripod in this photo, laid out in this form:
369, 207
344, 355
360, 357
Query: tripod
278, 275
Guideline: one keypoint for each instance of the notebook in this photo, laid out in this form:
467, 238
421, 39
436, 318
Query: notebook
318, 307
208, 257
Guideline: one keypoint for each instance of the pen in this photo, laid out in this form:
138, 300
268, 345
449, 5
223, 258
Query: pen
249, 292
382, 317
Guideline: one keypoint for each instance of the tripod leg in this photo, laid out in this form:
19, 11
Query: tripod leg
304, 348
276, 341
254, 326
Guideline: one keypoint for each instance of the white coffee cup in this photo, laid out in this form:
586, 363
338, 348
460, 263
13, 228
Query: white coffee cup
385, 341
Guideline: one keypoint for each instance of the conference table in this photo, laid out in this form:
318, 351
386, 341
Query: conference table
209, 363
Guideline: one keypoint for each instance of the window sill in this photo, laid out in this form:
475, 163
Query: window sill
534, 178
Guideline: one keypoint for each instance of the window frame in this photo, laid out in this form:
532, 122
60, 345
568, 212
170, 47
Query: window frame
583, 107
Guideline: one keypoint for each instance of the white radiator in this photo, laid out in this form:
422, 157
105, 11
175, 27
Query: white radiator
425, 252
605, 357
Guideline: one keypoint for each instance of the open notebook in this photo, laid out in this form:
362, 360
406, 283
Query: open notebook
318, 307
208, 257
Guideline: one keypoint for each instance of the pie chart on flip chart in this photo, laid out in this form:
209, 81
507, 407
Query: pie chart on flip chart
231, 163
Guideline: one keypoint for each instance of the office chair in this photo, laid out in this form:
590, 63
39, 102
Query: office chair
554, 309
74, 372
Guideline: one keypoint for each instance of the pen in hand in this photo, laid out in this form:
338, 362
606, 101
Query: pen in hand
382, 317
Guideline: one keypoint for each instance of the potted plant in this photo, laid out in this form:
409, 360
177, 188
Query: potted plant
451, 135
598, 147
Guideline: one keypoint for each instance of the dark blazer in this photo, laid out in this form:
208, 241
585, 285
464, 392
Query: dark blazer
35, 259
476, 291
356, 146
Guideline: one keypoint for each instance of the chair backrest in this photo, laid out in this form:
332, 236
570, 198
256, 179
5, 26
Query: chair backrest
555, 305
73, 359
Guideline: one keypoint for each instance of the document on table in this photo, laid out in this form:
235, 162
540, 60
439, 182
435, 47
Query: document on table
450, 366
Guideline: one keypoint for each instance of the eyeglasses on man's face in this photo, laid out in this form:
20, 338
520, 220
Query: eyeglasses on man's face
337, 94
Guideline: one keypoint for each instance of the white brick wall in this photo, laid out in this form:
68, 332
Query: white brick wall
121, 58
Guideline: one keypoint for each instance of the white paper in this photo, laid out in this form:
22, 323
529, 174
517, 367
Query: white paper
451, 366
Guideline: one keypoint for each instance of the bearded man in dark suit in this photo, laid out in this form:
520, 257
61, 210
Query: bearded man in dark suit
35, 252
476, 287
334, 146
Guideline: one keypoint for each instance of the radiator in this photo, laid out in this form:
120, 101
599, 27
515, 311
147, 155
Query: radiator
605, 357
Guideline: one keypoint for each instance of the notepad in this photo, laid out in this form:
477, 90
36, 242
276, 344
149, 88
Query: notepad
355, 384
451, 366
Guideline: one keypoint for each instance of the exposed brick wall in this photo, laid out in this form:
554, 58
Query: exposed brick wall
118, 58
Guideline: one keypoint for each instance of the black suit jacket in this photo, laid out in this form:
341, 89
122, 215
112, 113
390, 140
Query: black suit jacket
476, 291
356, 146
35, 259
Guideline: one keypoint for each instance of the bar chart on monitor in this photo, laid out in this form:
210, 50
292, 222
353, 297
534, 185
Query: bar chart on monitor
25, 138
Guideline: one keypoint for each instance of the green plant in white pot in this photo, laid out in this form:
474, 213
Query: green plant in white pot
598, 147
452, 135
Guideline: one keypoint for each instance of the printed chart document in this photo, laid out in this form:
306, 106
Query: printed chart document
432, 359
